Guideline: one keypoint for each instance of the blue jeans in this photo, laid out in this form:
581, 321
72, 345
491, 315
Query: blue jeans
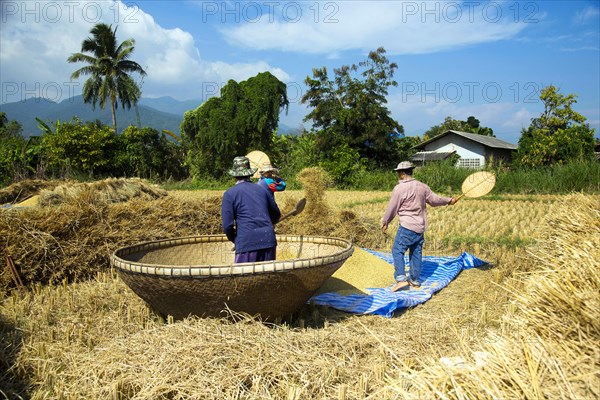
412, 241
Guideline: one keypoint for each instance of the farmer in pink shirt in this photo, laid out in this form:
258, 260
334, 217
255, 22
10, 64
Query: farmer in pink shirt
409, 202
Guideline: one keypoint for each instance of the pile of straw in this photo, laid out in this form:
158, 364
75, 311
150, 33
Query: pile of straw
111, 190
20, 191
547, 346
79, 224
97, 340
74, 240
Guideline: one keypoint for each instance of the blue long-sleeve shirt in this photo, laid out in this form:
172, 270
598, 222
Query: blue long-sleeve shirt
248, 213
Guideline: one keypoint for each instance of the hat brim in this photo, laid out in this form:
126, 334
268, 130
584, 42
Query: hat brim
242, 173
262, 171
404, 169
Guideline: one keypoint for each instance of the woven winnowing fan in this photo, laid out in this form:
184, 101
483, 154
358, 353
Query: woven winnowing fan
478, 184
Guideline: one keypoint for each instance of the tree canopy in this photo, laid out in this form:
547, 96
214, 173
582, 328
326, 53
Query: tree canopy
78, 147
109, 68
558, 135
243, 118
11, 147
349, 111
8, 128
471, 125
147, 153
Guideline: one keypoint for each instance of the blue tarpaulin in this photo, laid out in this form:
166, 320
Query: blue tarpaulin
437, 273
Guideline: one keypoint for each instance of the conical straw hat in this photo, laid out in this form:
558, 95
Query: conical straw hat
478, 184
257, 159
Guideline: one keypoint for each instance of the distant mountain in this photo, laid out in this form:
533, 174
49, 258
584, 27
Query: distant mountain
287, 130
48, 111
170, 105
159, 113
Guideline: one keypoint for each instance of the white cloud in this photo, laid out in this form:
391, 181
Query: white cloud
402, 27
589, 13
582, 48
38, 37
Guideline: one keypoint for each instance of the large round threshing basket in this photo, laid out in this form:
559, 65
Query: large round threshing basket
196, 275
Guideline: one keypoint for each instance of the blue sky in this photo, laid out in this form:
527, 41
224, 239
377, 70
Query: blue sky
455, 58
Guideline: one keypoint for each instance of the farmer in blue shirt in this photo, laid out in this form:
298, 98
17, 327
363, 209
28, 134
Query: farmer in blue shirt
249, 213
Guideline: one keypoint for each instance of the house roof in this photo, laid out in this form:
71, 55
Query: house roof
423, 156
488, 141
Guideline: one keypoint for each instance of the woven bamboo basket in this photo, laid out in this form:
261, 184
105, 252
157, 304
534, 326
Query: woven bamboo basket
196, 275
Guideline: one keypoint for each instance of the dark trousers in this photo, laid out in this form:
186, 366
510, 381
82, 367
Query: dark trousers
256, 256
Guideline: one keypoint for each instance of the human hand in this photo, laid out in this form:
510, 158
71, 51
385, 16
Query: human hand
453, 201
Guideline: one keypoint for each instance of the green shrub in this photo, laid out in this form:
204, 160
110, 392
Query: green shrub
578, 176
79, 148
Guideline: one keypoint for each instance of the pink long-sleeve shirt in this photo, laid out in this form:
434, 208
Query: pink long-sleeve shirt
409, 201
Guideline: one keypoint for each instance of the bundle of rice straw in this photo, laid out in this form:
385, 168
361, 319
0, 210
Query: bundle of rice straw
20, 191
111, 190
318, 218
73, 241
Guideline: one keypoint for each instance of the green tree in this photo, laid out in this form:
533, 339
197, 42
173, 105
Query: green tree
349, 111
243, 118
300, 153
147, 153
9, 128
558, 135
343, 164
79, 148
12, 144
404, 147
109, 68
471, 125
280, 152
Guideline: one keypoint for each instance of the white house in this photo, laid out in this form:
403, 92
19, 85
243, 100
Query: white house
474, 150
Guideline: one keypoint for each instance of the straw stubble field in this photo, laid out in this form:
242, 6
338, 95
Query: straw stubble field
509, 330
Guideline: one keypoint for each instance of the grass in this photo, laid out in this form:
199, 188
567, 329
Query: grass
556, 179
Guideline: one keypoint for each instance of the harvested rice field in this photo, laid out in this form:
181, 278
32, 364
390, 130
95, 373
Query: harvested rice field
525, 326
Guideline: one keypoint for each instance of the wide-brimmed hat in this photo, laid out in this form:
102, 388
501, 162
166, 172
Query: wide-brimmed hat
267, 167
241, 168
404, 165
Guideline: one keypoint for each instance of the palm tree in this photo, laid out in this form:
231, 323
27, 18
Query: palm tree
109, 68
